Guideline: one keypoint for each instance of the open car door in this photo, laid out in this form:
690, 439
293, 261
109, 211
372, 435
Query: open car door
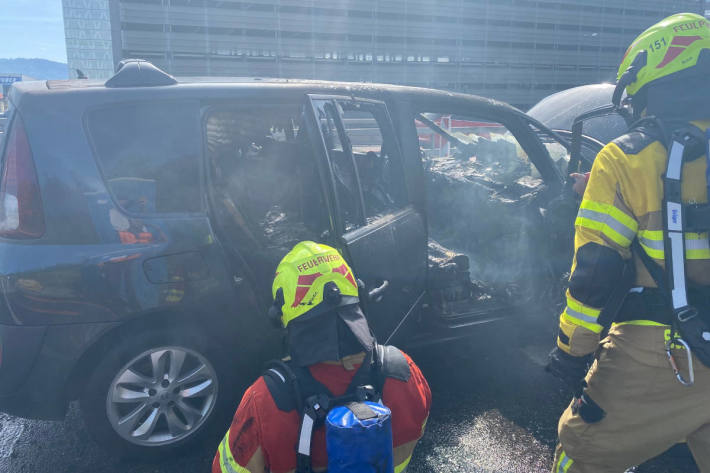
374, 224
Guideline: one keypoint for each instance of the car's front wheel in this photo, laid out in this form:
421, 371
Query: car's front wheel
154, 393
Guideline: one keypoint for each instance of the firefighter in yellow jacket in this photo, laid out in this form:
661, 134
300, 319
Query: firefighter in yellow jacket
630, 406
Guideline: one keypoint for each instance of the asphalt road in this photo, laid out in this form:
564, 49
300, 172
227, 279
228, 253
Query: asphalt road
494, 411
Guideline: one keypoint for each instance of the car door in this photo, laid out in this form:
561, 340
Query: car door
373, 221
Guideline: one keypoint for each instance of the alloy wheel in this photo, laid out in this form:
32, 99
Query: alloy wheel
161, 396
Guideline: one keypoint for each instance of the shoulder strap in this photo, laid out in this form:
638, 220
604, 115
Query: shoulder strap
672, 280
393, 362
294, 387
685, 143
365, 375
641, 134
283, 385
290, 385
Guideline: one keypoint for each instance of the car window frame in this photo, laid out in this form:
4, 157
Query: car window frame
235, 104
587, 141
348, 150
99, 165
339, 227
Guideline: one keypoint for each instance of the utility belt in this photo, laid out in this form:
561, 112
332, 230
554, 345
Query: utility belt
649, 303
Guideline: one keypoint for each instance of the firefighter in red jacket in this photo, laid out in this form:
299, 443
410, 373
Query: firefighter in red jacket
316, 299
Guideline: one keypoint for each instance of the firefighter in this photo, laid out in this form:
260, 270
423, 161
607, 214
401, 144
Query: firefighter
631, 405
330, 344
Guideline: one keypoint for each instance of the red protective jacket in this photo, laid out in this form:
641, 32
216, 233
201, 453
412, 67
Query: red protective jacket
263, 438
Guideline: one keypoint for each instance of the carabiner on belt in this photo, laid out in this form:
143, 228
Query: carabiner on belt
674, 365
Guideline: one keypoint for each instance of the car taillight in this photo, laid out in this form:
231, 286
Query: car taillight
21, 214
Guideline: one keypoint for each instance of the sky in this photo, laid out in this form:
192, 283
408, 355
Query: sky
32, 29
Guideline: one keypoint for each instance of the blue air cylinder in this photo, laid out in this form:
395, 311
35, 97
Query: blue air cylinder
359, 438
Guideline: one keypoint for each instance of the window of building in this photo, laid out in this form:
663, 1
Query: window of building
149, 155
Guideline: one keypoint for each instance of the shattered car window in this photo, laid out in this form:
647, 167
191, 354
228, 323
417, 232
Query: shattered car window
264, 177
376, 158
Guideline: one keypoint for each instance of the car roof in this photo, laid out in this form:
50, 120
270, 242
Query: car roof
217, 87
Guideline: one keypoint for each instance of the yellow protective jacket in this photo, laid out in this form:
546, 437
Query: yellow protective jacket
623, 200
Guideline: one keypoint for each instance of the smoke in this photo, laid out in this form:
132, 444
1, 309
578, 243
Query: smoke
488, 202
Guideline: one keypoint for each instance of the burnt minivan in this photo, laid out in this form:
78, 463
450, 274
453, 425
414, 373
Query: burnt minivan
142, 218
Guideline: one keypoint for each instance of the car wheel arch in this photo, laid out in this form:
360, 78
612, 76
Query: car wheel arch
114, 335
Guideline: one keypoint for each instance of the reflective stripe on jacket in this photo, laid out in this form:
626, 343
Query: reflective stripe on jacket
262, 437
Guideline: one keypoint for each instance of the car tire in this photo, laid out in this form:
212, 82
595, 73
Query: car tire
159, 393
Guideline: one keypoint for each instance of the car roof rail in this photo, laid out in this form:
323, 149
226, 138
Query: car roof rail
139, 73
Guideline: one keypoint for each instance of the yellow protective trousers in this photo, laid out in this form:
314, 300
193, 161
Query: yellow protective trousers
647, 409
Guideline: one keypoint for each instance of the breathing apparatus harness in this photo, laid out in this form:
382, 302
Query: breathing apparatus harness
689, 328
358, 425
690, 325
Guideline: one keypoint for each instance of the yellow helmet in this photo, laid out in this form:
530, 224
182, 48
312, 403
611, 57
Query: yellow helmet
311, 278
670, 46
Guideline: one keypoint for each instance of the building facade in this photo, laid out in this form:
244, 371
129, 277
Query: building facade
514, 50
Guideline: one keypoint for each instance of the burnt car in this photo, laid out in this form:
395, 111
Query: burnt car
141, 220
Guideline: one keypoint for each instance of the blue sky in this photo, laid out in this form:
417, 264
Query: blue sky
32, 28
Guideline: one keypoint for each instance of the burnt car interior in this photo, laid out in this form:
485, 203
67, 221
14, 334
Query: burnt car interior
267, 190
487, 202
265, 187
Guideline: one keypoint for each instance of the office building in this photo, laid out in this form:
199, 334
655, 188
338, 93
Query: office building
513, 50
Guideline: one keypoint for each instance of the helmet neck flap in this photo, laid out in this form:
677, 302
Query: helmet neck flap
329, 336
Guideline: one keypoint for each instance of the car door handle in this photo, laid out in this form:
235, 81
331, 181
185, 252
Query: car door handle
377, 293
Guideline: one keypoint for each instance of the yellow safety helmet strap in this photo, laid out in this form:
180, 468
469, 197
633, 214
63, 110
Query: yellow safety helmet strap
275, 312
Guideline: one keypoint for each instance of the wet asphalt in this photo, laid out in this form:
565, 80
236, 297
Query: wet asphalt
494, 410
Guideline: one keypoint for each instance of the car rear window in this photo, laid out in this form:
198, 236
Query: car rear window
149, 154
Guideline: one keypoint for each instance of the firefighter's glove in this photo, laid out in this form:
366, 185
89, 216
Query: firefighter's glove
568, 368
